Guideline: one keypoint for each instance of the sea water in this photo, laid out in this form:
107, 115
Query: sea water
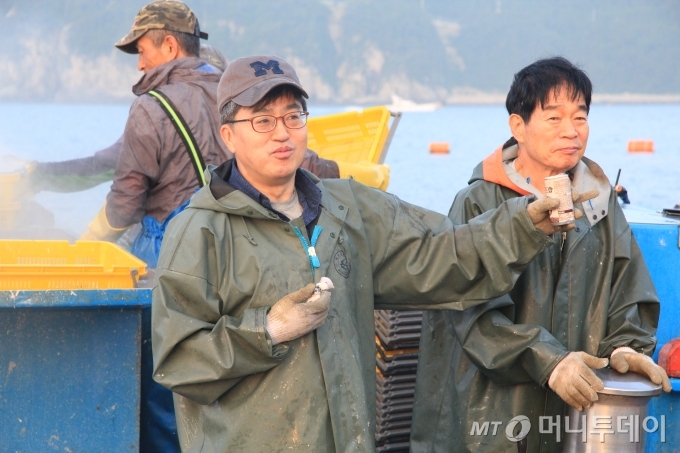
54, 132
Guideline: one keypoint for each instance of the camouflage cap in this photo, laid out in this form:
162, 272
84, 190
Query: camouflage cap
161, 15
249, 79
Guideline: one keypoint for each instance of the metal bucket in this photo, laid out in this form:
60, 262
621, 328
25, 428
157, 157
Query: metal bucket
618, 421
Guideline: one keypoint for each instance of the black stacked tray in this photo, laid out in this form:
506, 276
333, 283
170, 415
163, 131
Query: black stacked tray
397, 337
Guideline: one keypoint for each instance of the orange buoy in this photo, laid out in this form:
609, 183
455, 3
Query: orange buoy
669, 358
640, 146
439, 148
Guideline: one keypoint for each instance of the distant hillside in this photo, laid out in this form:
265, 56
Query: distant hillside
355, 51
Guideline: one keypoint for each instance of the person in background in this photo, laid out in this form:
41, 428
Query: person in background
258, 365
581, 304
80, 174
84, 173
622, 193
153, 174
213, 56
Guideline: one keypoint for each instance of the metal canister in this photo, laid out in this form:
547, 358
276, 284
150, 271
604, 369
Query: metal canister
617, 422
559, 187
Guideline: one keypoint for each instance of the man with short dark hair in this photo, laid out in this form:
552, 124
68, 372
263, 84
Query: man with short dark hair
531, 351
256, 362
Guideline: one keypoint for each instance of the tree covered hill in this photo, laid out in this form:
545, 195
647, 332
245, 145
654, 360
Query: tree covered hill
354, 51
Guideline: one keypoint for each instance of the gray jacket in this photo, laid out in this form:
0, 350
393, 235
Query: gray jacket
154, 174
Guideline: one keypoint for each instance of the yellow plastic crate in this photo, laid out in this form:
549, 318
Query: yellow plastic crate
8, 213
8, 183
34, 265
350, 136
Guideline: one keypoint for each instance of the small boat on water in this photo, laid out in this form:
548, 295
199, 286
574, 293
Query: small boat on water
405, 105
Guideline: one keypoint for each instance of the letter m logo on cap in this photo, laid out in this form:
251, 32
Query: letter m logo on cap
262, 68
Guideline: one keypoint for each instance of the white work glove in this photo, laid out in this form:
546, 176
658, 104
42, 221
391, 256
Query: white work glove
539, 211
101, 230
300, 312
574, 380
626, 359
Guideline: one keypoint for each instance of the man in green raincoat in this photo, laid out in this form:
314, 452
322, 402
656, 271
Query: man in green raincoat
255, 365
589, 298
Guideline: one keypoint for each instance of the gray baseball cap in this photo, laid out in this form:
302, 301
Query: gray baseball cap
249, 79
213, 56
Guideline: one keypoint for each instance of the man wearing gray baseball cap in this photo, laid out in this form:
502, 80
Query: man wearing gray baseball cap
258, 358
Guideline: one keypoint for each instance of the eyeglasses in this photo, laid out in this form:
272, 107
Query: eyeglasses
267, 123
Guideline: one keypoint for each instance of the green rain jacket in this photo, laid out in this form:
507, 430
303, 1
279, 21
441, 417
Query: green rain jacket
592, 292
226, 260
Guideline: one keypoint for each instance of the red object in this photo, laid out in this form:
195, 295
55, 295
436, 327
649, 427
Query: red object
669, 358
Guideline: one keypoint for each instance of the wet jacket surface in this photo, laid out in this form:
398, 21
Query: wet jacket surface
592, 293
154, 174
225, 261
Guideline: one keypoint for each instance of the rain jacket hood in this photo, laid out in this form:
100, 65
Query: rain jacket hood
180, 70
498, 168
222, 197
592, 292
226, 260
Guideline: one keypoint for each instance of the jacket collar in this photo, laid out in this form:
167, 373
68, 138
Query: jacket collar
494, 171
308, 193
217, 195
587, 176
182, 69
499, 168
221, 196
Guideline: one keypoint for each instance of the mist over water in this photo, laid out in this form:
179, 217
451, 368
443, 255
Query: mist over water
474, 132
55, 132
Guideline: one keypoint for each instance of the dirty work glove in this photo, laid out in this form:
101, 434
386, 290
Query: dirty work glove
539, 211
100, 229
575, 382
626, 359
373, 175
297, 314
